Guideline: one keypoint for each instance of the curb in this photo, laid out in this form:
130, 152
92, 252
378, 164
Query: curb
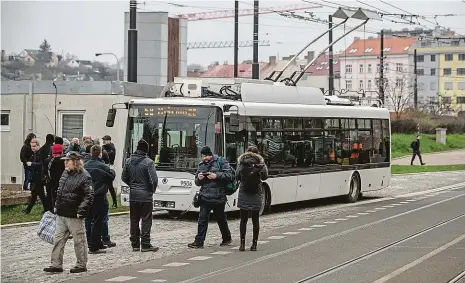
428, 172
430, 153
24, 224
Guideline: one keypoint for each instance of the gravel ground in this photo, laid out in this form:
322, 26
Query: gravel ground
24, 256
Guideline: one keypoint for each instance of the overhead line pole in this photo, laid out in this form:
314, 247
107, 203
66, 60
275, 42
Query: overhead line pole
415, 83
331, 66
255, 66
132, 43
381, 69
236, 38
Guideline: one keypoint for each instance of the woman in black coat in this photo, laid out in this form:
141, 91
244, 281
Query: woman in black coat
25, 155
251, 170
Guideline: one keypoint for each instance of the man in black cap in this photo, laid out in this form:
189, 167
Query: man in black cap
140, 175
212, 176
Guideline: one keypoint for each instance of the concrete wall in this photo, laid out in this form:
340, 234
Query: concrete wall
31, 109
152, 49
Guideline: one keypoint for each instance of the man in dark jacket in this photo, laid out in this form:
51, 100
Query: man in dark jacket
45, 152
110, 149
416, 150
212, 178
140, 175
54, 167
37, 185
74, 198
25, 155
102, 176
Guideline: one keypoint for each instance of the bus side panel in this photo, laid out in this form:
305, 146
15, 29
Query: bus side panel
308, 187
283, 189
374, 179
334, 184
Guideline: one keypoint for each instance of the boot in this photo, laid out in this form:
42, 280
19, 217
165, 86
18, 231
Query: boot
253, 248
242, 247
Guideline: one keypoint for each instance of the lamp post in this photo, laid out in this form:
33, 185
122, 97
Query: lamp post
117, 62
56, 101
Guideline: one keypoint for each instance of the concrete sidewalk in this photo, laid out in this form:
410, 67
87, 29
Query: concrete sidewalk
440, 158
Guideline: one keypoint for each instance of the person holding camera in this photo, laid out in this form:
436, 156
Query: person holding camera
212, 178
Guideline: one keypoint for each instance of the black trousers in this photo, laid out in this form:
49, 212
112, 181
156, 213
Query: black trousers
94, 221
415, 153
204, 217
38, 190
255, 214
140, 236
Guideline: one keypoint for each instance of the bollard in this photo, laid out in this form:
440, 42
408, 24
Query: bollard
441, 135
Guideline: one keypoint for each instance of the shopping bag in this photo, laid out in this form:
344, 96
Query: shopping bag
47, 227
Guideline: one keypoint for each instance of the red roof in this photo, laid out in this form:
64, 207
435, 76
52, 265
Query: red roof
370, 47
321, 66
227, 71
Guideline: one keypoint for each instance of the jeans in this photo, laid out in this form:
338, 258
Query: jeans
105, 234
415, 153
64, 227
27, 178
140, 211
94, 221
204, 217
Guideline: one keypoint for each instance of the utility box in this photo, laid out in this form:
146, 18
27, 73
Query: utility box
441, 135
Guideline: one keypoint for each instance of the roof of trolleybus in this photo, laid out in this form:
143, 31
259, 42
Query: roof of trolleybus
273, 109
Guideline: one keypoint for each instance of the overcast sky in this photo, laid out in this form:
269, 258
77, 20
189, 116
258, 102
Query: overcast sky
86, 27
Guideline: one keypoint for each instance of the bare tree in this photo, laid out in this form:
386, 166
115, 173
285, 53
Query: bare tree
399, 93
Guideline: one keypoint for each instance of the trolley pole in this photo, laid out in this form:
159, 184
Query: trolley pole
236, 37
381, 69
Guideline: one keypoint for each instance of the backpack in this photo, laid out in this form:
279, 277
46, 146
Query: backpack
230, 187
251, 179
412, 144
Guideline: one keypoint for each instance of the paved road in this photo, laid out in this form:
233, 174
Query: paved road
413, 239
441, 158
23, 256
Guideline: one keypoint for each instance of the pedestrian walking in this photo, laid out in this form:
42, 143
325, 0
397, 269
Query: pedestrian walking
54, 167
37, 185
212, 176
74, 198
415, 145
102, 177
251, 170
140, 175
25, 155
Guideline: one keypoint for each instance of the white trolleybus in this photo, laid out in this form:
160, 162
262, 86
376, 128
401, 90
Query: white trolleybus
313, 148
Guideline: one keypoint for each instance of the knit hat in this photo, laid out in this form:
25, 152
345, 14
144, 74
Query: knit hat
142, 145
58, 140
57, 150
206, 151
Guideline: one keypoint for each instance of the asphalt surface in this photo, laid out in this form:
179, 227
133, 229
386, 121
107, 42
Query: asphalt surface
420, 238
455, 157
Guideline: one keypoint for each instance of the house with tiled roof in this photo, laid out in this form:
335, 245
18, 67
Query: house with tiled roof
361, 60
32, 57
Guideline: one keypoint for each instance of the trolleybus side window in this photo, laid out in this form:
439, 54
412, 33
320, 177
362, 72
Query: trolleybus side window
235, 142
387, 142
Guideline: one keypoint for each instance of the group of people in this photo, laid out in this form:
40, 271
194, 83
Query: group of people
76, 180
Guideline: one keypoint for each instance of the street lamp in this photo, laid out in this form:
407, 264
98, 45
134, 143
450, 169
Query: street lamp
117, 62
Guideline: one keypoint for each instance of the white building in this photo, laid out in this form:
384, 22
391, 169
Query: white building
82, 107
360, 67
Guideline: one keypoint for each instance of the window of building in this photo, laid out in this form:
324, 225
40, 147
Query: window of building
461, 85
377, 68
406, 48
360, 84
461, 71
446, 99
461, 57
368, 50
432, 85
448, 85
376, 82
348, 85
369, 84
399, 82
386, 67
369, 68
349, 69
72, 124
447, 71
449, 57
433, 58
433, 72
399, 67
455, 43
353, 50
461, 100
5, 121
420, 58
420, 72
361, 68
335, 62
